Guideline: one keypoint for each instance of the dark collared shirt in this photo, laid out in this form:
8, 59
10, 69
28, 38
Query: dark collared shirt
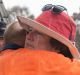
11, 46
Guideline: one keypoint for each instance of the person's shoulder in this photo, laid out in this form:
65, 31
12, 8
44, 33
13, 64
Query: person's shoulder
34, 62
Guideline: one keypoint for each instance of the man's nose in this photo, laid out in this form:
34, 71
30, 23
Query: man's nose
30, 36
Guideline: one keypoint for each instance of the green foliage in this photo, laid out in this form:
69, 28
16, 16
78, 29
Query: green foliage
19, 11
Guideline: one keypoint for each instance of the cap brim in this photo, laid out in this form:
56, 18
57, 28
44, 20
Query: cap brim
26, 21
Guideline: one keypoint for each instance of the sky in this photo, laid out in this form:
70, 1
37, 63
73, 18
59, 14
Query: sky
36, 5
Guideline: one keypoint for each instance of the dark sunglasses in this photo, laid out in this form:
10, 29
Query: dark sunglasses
55, 8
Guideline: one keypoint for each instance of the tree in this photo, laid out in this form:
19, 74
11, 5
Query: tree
77, 40
76, 17
19, 11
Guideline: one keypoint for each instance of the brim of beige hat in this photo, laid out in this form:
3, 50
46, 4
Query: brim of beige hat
24, 22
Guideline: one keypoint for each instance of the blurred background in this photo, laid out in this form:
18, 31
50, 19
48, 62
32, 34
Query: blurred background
9, 9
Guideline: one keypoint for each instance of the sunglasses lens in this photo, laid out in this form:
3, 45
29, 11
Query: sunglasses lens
58, 9
47, 7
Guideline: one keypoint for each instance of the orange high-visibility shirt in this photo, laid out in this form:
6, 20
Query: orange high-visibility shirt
36, 62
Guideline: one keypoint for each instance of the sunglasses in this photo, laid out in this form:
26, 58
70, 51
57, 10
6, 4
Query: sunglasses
55, 8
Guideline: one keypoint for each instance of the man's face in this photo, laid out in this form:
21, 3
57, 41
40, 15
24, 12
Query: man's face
36, 40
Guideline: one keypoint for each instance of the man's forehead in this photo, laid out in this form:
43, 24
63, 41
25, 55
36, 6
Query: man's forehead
31, 29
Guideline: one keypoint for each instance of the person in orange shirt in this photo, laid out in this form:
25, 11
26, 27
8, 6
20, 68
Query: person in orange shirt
49, 47
36, 62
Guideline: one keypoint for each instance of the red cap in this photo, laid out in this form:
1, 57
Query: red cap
61, 23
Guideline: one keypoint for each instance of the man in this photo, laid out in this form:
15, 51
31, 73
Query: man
14, 36
53, 30
46, 47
